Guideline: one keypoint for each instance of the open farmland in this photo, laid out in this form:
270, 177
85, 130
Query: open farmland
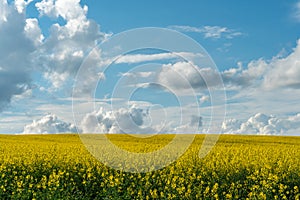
238, 167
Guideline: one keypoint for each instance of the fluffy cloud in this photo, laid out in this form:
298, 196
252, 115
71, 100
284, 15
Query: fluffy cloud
284, 72
215, 32
135, 120
49, 124
279, 72
130, 120
21, 5
33, 31
24, 49
262, 124
63, 50
68, 9
184, 75
15, 51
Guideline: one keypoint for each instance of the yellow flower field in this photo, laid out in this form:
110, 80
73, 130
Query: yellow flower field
238, 167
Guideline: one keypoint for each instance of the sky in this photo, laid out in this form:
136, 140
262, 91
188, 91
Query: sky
150, 67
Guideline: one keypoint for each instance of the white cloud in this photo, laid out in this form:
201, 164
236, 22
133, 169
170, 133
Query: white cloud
186, 76
137, 58
123, 120
284, 72
262, 124
88, 76
24, 49
15, 51
214, 32
33, 31
217, 32
279, 72
57, 57
47, 7
137, 74
3, 11
63, 51
21, 5
49, 124
204, 99
141, 118
296, 13
57, 79
26, 94
67, 9
239, 77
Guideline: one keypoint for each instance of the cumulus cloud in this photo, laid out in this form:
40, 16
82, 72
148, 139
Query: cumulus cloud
21, 5
185, 76
15, 51
89, 76
214, 32
136, 120
261, 124
33, 31
119, 121
68, 9
279, 72
239, 77
57, 57
284, 72
123, 120
182, 75
49, 124
63, 50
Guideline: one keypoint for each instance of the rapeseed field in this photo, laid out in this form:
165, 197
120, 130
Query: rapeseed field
238, 167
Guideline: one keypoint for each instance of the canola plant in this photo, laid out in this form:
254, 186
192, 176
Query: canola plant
238, 167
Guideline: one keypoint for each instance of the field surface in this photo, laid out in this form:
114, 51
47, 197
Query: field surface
238, 167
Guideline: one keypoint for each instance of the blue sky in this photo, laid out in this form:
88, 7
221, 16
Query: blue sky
44, 44
268, 27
